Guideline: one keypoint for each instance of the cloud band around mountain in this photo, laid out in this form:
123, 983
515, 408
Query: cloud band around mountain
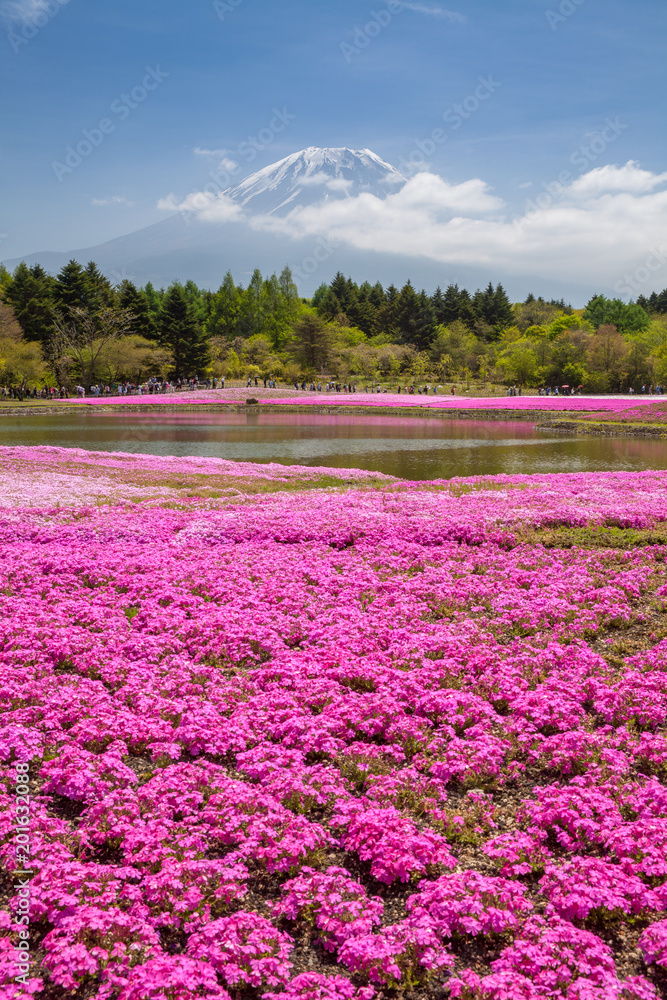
595, 228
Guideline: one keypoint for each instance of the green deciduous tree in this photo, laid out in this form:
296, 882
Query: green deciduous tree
81, 338
132, 357
518, 362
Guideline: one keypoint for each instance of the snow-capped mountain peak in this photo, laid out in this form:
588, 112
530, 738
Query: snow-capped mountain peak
313, 175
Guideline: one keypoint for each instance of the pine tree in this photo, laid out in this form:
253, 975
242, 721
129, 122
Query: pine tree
482, 302
416, 320
377, 297
30, 293
312, 342
329, 306
339, 287
503, 313
456, 305
387, 318
99, 289
251, 312
181, 331
493, 311
224, 318
277, 311
196, 299
466, 311
154, 300
71, 288
136, 304
405, 313
425, 323
438, 303
289, 292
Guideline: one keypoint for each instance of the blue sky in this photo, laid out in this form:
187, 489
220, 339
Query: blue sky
562, 85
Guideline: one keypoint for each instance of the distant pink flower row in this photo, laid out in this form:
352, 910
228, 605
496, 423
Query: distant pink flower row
521, 403
327, 694
616, 404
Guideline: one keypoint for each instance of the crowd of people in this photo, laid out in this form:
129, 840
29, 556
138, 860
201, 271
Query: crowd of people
20, 392
150, 387
155, 385
570, 390
408, 390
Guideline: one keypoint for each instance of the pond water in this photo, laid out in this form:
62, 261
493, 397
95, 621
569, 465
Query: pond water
408, 447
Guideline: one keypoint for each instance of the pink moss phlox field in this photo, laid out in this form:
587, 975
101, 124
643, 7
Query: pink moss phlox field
329, 744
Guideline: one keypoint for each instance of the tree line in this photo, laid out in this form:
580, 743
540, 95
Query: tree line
78, 326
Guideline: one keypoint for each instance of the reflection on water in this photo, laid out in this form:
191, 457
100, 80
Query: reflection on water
408, 447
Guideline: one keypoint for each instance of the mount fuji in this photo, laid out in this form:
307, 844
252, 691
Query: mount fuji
213, 231
315, 175
251, 224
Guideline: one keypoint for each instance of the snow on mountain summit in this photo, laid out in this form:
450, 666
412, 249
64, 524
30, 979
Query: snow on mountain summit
313, 175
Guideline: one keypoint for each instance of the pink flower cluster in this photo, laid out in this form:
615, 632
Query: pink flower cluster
316, 745
333, 902
56, 477
549, 958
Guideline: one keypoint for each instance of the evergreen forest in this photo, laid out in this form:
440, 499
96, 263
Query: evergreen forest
77, 327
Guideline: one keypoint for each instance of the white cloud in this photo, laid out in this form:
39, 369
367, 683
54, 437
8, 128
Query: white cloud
423, 8
393, 179
208, 207
604, 224
199, 151
116, 199
629, 177
320, 179
570, 239
224, 161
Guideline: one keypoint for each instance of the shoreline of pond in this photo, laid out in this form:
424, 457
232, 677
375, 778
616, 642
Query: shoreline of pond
604, 429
